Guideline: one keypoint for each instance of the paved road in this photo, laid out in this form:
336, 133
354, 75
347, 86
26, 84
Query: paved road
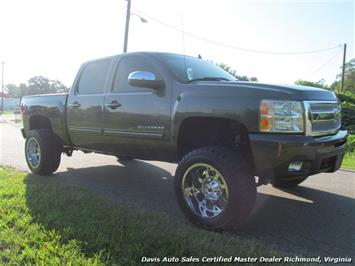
316, 218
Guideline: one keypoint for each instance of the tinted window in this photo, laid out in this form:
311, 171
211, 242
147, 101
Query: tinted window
128, 65
187, 68
93, 77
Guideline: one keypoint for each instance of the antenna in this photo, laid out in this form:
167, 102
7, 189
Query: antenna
182, 32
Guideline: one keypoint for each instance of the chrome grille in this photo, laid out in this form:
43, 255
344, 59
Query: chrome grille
322, 118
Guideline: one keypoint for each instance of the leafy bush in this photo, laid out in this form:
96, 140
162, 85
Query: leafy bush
347, 97
348, 111
351, 143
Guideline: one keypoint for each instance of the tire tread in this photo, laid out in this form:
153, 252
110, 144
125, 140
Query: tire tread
232, 165
50, 151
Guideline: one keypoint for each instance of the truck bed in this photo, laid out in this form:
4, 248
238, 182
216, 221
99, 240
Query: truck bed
50, 106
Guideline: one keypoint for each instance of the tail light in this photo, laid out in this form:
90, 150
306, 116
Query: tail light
22, 108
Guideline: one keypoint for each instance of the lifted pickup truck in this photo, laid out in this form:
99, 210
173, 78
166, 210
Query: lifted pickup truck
175, 108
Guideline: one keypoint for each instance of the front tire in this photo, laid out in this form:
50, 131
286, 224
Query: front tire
214, 188
42, 151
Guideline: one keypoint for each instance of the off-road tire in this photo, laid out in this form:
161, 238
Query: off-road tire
240, 181
50, 151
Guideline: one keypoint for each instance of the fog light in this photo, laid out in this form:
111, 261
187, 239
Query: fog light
295, 166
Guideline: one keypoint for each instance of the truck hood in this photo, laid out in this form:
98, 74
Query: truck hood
258, 90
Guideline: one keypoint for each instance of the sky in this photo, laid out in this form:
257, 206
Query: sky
53, 38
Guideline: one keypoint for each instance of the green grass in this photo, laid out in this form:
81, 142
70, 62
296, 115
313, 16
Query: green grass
349, 161
7, 112
46, 222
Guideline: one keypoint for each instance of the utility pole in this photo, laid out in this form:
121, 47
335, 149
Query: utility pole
2, 87
343, 70
128, 15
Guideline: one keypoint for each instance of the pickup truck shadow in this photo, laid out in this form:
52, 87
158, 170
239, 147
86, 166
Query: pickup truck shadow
138, 183
307, 222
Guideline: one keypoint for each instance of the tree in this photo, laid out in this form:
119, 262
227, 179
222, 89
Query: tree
35, 85
58, 86
319, 84
12, 90
227, 68
233, 72
16, 91
349, 78
40, 85
242, 78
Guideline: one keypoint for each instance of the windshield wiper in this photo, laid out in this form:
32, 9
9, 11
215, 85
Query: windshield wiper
209, 79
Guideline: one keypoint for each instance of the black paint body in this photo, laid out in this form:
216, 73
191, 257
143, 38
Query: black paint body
146, 124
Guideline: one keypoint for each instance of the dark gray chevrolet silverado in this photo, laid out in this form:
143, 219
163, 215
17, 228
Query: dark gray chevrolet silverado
175, 108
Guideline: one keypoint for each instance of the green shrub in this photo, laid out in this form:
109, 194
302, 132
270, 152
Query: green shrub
348, 111
351, 143
348, 118
348, 97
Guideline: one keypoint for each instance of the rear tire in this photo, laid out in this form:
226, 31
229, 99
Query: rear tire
42, 152
214, 188
288, 183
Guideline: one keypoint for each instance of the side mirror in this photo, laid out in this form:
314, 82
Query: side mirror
145, 79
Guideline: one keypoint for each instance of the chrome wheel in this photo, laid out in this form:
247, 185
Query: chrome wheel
205, 190
33, 152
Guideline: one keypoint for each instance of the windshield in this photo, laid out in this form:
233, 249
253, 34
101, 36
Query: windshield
187, 69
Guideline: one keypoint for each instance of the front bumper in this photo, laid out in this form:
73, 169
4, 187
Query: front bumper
273, 153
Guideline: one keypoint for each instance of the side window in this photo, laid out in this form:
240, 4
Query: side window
128, 65
92, 79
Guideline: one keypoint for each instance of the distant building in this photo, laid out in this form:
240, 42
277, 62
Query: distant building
11, 103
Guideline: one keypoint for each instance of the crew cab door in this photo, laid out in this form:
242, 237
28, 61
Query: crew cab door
85, 103
136, 119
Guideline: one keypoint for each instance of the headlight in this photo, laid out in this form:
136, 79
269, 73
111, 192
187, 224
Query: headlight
281, 116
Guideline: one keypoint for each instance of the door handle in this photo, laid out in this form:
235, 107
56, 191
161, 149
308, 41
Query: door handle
75, 105
113, 105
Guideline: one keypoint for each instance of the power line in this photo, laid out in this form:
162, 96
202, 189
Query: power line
232, 46
324, 64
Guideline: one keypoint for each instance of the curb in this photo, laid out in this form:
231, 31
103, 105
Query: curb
347, 170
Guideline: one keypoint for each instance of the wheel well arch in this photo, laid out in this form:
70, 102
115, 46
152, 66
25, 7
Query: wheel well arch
39, 122
196, 132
